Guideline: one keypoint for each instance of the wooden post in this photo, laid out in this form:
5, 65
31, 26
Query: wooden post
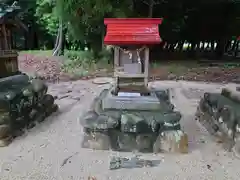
146, 66
116, 64
4, 36
1, 38
116, 57
9, 39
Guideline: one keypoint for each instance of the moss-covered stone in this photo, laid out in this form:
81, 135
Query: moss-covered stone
21, 103
5, 131
127, 130
220, 115
171, 141
96, 140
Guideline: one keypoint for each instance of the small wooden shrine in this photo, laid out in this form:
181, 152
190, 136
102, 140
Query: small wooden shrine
8, 56
131, 38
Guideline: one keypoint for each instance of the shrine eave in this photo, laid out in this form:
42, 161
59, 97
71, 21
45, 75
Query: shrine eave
139, 40
127, 31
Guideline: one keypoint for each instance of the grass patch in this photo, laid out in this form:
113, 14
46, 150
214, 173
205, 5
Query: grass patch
177, 68
37, 52
84, 63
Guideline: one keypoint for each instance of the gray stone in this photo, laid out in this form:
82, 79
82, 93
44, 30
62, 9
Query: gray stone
101, 80
217, 124
162, 94
127, 142
132, 127
134, 123
134, 103
97, 102
145, 142
129, 163
5, 131
172, 76
171, 141
94, 121
149, 121
236, 148
6, 141
96, 140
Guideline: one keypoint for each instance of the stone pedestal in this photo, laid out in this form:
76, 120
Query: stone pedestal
133, 124
140, 103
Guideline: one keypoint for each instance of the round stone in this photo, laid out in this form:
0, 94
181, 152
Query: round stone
102, 80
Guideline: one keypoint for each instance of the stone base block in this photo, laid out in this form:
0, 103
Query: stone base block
131, 103
172, 141
127, 142
136, 142
145, 142
96, 140
133, 124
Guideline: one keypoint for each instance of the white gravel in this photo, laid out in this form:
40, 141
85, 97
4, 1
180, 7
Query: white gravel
52, 150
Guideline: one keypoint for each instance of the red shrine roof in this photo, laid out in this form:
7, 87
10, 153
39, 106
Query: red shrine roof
127, 31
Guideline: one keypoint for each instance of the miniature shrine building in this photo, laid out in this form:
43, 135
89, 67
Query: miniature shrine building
131, 38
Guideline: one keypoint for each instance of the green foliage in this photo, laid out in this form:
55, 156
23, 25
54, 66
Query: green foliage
37, 52
82, 63
80, 57
84, 18
105, 55
47, 16
78, 62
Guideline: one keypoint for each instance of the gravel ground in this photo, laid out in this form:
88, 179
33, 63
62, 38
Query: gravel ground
52, 150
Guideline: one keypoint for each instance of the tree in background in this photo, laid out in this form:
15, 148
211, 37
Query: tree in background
70, 23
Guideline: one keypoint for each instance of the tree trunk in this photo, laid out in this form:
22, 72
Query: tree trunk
212, 46
236, 49
180, 46
59, 43
202, 47
220, 48
63, 42
35, 41
5, 36
150, 10
234, 46
192, 50
227, 46
57, 39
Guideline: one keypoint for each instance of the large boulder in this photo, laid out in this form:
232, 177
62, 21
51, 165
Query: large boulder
22, 101
219, 114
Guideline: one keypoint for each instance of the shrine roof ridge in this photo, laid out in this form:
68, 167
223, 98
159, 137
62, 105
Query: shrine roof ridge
132, 20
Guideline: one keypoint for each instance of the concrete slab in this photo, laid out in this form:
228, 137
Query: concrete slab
131, 102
